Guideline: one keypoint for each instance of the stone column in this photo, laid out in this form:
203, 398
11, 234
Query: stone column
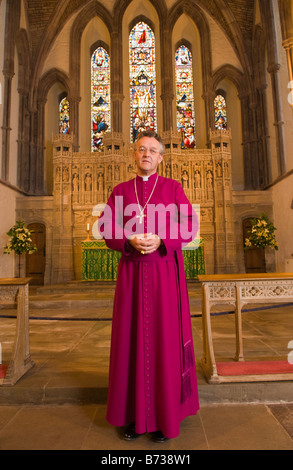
23, 141
268, 12
6, 129
12, 19
286, 15
36, 154
116, 80
167, 95
274, 69
264, 137
74, 120
62, 246
225, 240
247, 142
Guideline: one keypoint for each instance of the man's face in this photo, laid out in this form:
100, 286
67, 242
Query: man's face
147, 155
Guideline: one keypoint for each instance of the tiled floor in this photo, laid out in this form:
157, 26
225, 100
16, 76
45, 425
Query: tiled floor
61, 402
74, 427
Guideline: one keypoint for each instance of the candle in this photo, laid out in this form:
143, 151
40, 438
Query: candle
88, 227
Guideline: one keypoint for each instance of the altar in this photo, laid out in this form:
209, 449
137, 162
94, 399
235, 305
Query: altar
99, 263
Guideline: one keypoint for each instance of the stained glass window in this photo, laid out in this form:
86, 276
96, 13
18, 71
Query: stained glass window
220, 112
64, 125
100, 97
142, 79
185, 97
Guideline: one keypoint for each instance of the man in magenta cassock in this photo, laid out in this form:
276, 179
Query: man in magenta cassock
152, 379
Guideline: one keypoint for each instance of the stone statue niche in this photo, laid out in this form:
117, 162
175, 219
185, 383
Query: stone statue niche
84, 180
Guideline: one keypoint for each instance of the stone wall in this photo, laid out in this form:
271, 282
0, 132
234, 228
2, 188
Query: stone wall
84, 180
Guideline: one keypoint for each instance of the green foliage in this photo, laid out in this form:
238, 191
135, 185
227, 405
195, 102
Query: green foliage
262, 234
20, 240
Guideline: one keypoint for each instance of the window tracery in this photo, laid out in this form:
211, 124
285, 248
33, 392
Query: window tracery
64, 122
220, 108
142, 79
100, 97
185, 97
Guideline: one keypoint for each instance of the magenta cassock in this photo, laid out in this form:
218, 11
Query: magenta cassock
152, 378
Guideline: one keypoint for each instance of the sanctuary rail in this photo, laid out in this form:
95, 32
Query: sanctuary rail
239, 290
11, 291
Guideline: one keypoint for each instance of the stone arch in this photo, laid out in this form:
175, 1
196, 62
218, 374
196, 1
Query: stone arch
201, 23
231, 73
232, 81
199, 19
97, 44
93, 9
49, 78
121, 6
149, 14
23, 145
144, 19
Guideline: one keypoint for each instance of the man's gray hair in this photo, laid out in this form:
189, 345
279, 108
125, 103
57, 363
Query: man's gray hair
151, 134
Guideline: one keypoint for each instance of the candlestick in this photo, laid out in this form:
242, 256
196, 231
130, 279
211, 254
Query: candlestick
88, 233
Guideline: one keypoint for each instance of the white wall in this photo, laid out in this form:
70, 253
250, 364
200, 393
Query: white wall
283, 219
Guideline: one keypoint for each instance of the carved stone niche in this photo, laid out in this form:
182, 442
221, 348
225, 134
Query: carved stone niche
171, 141
113, 143
62, 145
221, 140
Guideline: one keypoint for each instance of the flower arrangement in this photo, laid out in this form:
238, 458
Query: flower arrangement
20, 240
262, 234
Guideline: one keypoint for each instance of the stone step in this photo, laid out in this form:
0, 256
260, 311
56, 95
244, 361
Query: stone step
92, 295
74, 287
93, 287
77, 304
26, 392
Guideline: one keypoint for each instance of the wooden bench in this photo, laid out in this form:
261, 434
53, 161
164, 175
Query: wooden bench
239, 290
11, 291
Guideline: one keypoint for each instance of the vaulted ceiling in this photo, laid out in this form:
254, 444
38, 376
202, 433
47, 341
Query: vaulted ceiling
43, 15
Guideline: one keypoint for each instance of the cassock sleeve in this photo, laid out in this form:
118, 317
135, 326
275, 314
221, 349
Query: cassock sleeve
183, 227
111, 225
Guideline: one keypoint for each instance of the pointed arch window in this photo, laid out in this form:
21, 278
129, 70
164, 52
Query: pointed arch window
64, 122
185, 97
100, 97
142, 79
220, 108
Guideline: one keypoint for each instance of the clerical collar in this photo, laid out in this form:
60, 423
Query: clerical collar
146, 178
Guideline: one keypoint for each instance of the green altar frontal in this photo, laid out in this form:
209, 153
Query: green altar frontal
99, 263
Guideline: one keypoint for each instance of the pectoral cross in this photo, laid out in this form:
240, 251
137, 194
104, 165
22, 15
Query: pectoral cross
140, 217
